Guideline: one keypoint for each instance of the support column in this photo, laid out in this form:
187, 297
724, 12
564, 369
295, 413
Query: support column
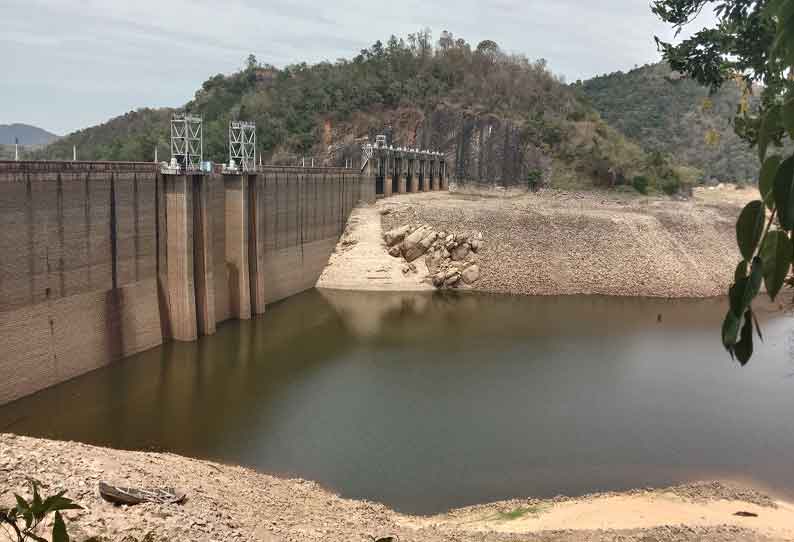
179, 253
256, 243
413, 177
442, 166
369, 179
401, 167
203, 263
433, 163
237, 272
388, 179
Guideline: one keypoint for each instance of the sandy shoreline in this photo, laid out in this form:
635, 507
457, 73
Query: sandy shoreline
234, 503
557, 243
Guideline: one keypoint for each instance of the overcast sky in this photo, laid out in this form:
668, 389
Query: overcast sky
69, 64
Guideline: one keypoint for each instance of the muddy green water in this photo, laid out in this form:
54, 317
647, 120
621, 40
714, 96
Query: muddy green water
426, 402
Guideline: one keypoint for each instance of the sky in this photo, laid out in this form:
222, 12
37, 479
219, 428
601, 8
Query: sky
70, 64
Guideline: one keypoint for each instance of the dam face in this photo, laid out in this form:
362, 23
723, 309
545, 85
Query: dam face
101, 260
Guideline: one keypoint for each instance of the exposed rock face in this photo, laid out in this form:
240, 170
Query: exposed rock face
450, 258
483, 149
480, 149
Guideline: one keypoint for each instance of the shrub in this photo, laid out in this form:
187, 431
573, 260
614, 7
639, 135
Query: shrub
534, 176
671, 185
640, 184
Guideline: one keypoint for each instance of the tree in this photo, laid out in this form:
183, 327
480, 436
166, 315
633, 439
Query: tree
251, 63
753, 41
488, 48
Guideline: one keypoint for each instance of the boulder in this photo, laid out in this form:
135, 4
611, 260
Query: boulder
433, 260
460, 252
475, 245
421, 247
392, 237
438, 279
452, 280
471, 274
414, 238
395, 251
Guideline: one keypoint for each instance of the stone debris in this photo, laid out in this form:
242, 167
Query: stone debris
450, 258
556, 242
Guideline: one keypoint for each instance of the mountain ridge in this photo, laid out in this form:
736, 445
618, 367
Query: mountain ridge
27, 134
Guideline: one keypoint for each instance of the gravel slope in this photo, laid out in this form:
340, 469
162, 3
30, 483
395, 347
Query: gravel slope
590, 243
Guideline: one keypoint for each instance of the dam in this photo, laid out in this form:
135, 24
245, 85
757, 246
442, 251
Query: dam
103, 260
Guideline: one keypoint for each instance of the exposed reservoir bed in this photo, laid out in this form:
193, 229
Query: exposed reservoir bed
426, 402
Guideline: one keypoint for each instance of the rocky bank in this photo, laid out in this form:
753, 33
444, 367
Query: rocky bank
229, 503
555, 242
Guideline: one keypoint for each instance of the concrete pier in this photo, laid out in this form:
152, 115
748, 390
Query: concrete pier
181, 293
237, 230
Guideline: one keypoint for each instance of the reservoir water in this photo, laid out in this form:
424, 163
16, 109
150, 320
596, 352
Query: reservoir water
426, 401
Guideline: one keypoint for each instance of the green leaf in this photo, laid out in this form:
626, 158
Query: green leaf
738, 297
59, 529
59, 502
754, 281
741, 271
769, 123
24, 508
730, 331
784, 194
766, 180
758, 328
788, 116
777, 254
744, 348
750, 227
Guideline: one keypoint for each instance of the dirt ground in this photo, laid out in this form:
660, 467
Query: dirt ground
360, 261
228, 503
556, 242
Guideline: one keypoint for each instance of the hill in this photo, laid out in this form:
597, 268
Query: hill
27, 135
676, 116
500, 118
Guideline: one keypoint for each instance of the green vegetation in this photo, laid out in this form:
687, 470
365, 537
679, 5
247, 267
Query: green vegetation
677, 116
305, 109
640, 184
518, 513
21, 522
752, 42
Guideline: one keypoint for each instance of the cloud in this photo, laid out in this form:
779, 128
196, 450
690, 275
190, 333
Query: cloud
79, 62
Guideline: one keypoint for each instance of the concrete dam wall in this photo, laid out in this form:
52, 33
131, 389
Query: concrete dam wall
103, 260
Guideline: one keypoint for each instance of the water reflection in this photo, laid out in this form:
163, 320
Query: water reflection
429, 401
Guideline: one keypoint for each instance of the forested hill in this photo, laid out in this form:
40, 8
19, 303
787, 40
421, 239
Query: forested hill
674, 115
501, 116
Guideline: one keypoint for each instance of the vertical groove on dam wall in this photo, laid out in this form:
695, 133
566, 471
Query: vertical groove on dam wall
103, 260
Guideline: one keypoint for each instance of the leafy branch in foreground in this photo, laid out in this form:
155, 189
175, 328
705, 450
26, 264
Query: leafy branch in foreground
753, 41
22, 521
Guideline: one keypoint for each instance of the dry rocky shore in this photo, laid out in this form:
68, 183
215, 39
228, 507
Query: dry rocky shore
228, 503
554, 242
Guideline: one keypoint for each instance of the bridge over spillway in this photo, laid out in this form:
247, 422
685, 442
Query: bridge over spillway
101, 260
